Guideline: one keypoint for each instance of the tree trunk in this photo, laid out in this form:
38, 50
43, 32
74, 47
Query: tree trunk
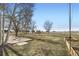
11, 19
1, 47
0, 31
3, 28
16, 32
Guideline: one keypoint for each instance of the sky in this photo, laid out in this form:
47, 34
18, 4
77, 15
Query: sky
56, 13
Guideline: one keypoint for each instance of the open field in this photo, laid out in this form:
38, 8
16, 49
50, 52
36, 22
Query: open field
45, 44
42, 44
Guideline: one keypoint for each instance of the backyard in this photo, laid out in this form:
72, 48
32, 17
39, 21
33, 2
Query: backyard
42, 44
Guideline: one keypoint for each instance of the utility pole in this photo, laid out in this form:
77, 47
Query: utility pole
70, 25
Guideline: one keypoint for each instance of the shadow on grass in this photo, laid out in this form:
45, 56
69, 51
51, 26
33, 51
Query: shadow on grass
6, 52
13, 50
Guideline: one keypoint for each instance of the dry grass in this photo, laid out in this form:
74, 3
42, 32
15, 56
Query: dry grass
43, 44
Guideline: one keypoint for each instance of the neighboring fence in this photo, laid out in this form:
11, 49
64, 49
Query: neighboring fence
71, 50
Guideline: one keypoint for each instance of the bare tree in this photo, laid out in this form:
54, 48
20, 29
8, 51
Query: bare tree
22, 17
23, 13
48, 26
10, 16
33, 26
26, 13
18, 14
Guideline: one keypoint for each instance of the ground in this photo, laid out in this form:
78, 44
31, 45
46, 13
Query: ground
42, 44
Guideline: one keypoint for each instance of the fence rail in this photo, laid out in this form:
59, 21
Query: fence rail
71, 50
